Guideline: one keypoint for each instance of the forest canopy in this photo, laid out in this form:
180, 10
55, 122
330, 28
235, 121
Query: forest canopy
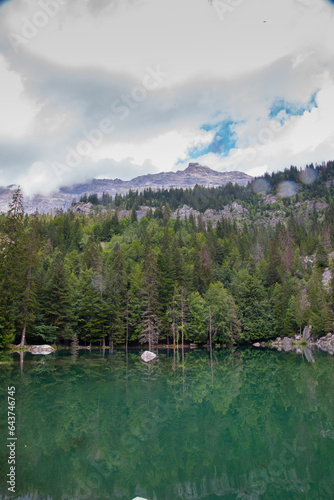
100, 278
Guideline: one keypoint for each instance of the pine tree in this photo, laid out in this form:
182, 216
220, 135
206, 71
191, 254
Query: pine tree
223, 318
319, 312
31, 244
12, 270
57, 310
287, 249
201, 267
255, 311
281, 303
115, 295
165, 265
198, 318
275, 267
90, 310
150, 320
134, 215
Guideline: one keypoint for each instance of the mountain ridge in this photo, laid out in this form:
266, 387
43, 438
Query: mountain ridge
188, 178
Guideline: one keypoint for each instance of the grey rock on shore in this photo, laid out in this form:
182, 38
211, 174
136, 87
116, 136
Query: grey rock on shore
297, 344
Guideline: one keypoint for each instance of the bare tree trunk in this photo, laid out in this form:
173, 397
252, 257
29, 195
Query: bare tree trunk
177, 339
149, 335
26, 306
182, 319
210, 334
210, 330
211, 363
127, 336
173, 324
182, 329
23, 335
127, 321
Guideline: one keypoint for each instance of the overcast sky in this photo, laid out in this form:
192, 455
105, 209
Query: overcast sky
120, 88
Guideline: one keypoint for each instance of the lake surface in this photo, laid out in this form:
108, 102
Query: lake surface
242, 424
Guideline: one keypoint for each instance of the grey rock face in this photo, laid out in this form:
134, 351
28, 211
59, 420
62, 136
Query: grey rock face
289, 344
83, 208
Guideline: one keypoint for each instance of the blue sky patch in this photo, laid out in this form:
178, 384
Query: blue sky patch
291, 108
224, 139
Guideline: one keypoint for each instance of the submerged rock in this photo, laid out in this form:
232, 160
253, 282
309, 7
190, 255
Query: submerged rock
148, 356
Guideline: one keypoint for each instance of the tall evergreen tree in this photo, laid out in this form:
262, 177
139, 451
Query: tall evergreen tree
115, 295
275, 267
223, 313
150, 320
90, 310
12, 270
319, 312
57, 309
255, 311
31, 244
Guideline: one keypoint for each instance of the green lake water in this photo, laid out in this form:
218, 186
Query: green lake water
242, 424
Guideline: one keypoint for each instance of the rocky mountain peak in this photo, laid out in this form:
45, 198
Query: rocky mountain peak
197, 168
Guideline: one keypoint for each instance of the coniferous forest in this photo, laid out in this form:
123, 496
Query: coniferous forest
99, 279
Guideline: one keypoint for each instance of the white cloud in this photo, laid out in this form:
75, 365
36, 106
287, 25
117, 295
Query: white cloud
36, 179
16, 110
301, 140
162, 151
64, 78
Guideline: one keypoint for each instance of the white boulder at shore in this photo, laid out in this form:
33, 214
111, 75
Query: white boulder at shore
41, 349
148, 356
